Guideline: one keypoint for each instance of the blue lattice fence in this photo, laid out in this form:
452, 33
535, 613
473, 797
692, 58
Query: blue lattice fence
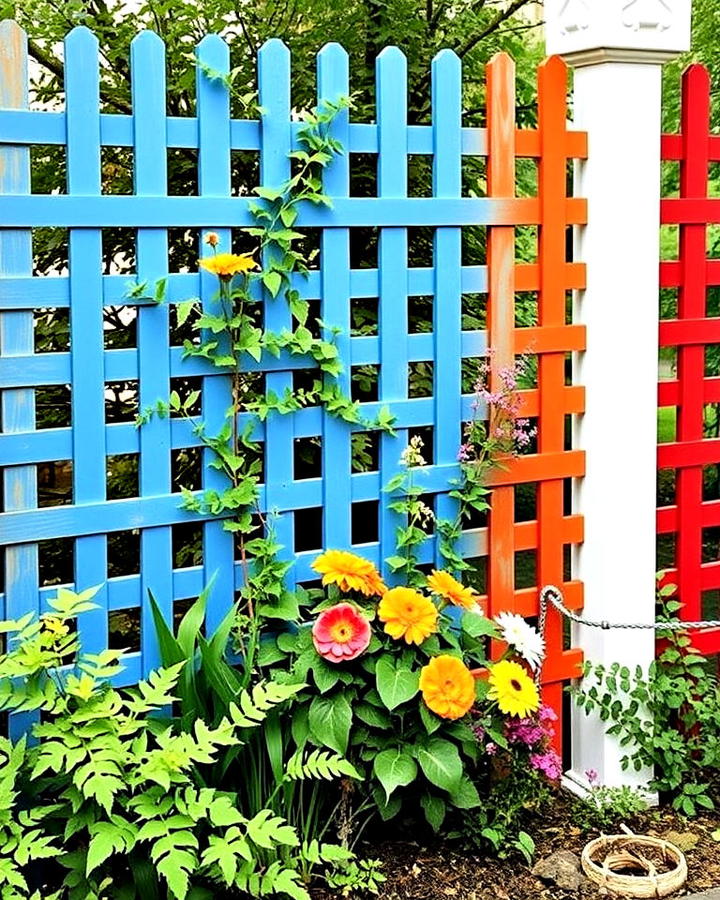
88, 366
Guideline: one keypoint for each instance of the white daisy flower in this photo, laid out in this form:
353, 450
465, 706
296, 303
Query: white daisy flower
522, 637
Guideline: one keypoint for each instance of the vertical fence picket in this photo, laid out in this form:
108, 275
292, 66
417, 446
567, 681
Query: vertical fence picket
82, 93
447, 302
691, 333
335, 274
391, 80
552, 180
17, 338
695, 127
150, 158
274, 96
213, 111
501, 311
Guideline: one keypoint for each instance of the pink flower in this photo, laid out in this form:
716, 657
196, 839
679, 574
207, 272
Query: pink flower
341, 633
549, 763
491, 749
592, 776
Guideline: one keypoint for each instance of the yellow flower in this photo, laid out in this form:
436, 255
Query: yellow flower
513, 689
447, 686
408, 615
349, 572
55, 626
447, 587
225, 265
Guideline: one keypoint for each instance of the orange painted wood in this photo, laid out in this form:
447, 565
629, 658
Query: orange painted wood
501, 309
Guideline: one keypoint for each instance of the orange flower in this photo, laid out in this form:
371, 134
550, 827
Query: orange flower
408, 615
212, 239
349, 572
450, 589
225, 265
447, 686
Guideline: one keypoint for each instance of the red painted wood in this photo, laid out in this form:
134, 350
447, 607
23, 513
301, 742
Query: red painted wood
692, 273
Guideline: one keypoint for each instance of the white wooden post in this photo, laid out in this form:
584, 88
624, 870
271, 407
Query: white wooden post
617, 48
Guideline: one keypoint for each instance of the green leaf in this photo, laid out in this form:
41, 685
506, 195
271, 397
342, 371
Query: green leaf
434, 809
441, 764
272, 281
478, 626
396, 684
466, 796
394, 768
107, 840
330, 719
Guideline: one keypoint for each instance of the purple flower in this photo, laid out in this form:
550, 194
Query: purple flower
548, 763
491, 749
592, 776
464, 453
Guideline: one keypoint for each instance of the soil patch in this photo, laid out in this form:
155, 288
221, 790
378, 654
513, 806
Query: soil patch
423, 870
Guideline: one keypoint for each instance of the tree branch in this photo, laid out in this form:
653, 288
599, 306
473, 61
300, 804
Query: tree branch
495, 23
53, 65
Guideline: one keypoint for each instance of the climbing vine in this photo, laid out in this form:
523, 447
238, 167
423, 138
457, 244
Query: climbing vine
228, 332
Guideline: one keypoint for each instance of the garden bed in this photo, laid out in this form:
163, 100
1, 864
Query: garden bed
431, 871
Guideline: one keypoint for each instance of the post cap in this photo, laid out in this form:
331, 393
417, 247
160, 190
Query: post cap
585, 32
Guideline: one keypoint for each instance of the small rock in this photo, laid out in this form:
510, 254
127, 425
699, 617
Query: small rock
561, 868
683, 840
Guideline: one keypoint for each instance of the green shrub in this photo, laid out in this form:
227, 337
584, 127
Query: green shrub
668, 720
114, 792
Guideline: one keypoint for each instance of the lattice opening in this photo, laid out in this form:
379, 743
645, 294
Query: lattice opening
186, 469
120, 327
308, 529
420, 379
122, 472
364, 313
55, 483
116, 167
124, 629
121, 401
365, 450
474, 311
53, 408
52, 330
56, 561
307, 458
123, 553
365, 527
420, 314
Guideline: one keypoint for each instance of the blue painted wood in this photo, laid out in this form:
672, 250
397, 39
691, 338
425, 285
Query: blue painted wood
153, 324
274, 99
333, 83
391, 80
213, 101
191, 212
84, 290
447, 303
17, 406
82, 93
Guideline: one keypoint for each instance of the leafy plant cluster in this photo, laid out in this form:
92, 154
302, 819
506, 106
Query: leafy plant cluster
666, 719
118, 800
606, 808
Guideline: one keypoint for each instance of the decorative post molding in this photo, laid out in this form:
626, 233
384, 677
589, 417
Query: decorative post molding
617, 48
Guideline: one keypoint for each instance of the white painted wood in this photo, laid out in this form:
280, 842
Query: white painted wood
617, 48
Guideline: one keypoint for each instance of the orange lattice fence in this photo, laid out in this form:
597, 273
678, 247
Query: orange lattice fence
552, 276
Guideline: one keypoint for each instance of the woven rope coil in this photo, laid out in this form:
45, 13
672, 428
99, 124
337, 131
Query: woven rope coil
605, 858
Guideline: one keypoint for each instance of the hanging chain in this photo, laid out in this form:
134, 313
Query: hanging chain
553, 595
